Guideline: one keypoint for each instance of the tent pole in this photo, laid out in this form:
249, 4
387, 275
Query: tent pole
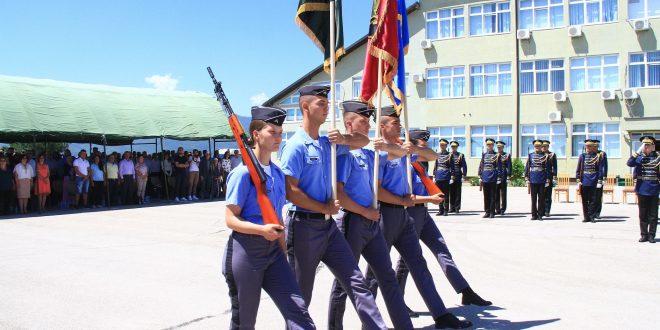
105, 175
167, 182
36, 175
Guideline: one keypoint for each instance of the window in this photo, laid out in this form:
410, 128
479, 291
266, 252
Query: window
555, 133
357, 87
445, 82
490, 18
541, 76
293, 114
644, 69
594, 73
540, 14
479, 134
449, 133
445, 23
634, 138
291, 100
608, 134
490, 79
643, 8
592, 11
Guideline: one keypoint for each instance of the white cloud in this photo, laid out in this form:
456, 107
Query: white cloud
165, 82
258, 99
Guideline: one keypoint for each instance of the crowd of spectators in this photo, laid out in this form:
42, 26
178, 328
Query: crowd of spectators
64, 181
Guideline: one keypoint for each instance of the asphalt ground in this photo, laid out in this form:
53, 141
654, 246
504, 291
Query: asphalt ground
160, 268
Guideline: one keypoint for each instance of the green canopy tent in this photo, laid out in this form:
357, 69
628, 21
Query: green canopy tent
57, 111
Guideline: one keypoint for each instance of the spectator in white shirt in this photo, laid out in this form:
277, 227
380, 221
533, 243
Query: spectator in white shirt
193, 175
81, 169
23, 174
235, 159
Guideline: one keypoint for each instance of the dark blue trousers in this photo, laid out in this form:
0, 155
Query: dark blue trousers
399, 231
430, 235
366, 238
251, 263
312, 241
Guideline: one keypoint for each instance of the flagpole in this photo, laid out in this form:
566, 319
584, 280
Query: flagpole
379, 107
404, 108
333, 121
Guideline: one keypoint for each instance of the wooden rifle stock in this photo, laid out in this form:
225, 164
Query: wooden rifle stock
257, 174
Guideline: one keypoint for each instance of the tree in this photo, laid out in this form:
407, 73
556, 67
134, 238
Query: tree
49, 147
517, 173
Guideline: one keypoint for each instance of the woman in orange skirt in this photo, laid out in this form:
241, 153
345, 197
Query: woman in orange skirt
42, 188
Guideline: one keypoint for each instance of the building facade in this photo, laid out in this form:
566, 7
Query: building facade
560, 70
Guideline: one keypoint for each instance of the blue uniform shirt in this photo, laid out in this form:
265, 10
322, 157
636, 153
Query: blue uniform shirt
308, 161
242, 192
393, 175
589, 170
356, 171
489, 167
460, 166
506, 168
444, 166
538, 168
647, 172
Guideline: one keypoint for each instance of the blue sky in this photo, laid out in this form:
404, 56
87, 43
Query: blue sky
254, 47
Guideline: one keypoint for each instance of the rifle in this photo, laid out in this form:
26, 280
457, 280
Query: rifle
481, 185
428, 184
256, 172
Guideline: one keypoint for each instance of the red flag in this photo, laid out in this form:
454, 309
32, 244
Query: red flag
384, 44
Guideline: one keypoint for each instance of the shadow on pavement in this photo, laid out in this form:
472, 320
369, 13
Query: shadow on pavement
609, 217
481, 318
558, 218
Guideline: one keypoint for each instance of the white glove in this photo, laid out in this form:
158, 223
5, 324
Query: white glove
579, 184
547, 184
479, 180
600, 185
499, 181
461, 179
451, 181
640, 149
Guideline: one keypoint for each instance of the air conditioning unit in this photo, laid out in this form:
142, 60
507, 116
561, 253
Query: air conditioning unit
559, 96
418, 78
426, 44
630, 94
640, 24
575, 31
524, 34
554, 116
608, 94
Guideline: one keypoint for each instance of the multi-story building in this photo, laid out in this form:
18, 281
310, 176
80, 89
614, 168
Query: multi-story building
561, 70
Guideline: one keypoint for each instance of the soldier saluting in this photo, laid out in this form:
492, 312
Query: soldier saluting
489, 167
589, 176
538, 176
647, 169
444, 169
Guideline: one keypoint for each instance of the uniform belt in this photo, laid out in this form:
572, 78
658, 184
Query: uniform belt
394, 206
307, 215
421, 204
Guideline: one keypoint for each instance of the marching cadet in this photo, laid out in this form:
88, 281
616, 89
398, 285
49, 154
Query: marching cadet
358, 219
538, 176
589, 177
430, 235
397, 225
311, 236
489, 167
254, 258
456, 183
646, 162
552, 158
503, 175
443, 172
599, 191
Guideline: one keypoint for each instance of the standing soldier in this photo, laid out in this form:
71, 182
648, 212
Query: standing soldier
399, 227
456, 184
312, 237
552, 157
503, 175
444, 172
589, 176
359, 219
647, 168
599, 191
254, 258
489, 167
538, 176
